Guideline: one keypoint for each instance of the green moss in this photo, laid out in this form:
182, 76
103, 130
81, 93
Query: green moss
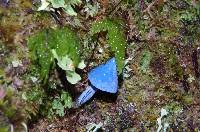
170, 59
12, 108
4, 129
115, 38
145, 61
63, 40
66, 42
187, 99
40, 51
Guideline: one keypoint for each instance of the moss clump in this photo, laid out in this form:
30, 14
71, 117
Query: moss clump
115, 38
12, 110
63, 40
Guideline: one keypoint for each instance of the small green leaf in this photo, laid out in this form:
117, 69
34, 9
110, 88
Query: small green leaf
57, 3
44, 5
66, 5
69, 10
58, 107
74, 2
66, 98
64, 62
81, 65
91, 10
67, 64
60, 111
56, 104
73, 77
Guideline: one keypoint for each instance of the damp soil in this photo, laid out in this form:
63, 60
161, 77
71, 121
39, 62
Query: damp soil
162, 70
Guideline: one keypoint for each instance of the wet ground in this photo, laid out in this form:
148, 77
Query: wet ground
162, 69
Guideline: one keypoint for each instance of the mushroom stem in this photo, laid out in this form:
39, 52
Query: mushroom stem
86, 95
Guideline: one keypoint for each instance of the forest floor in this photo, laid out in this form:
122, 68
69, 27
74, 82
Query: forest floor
160, 81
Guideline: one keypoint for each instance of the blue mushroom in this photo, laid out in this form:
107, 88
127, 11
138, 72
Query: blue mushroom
104, 78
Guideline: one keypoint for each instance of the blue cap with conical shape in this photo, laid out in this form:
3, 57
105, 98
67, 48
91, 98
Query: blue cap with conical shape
104, 77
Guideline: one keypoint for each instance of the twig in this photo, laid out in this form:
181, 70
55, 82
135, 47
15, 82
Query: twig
149, 6
115, 7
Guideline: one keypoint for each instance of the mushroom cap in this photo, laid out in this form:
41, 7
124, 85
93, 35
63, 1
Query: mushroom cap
104, 77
